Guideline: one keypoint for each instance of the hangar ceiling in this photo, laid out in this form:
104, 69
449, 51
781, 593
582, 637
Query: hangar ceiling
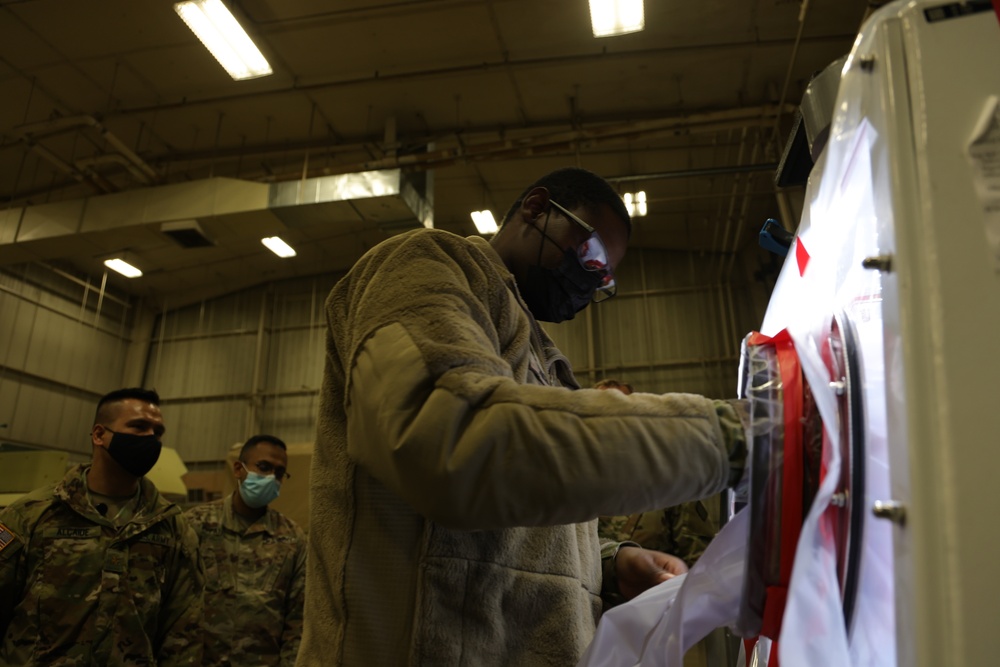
117, 101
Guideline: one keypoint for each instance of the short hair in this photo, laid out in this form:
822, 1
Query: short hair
609, 383
104, 413
574, 187
257, 439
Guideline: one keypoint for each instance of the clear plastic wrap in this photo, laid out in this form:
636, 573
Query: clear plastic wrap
763, 388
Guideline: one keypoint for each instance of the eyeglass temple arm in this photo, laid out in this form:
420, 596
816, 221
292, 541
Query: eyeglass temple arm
572, 217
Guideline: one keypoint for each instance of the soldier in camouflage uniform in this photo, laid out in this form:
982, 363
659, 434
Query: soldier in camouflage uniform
255, 559
683, 530
100, 569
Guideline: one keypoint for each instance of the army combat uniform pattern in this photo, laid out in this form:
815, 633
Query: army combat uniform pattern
75, 589
256, 585
683, 530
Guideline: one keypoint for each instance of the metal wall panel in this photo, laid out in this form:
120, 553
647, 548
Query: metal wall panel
675, 326
192, 368
43, 416
291, 418
204, 431
295, 360
224, 365
62, 346
239, 312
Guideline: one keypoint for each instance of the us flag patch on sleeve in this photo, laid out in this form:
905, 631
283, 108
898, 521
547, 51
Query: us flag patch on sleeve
6, 536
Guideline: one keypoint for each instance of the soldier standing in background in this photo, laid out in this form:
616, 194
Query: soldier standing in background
255, 559
100, 569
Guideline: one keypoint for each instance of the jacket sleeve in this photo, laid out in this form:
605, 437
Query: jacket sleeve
435, 413
291, 634
12, 566
180, 639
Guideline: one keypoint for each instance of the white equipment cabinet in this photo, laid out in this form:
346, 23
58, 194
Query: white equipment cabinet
902, 229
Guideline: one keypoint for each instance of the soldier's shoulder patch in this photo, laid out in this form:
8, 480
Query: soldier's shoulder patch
7, 537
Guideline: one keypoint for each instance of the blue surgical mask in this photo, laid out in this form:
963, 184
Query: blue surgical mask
259, 490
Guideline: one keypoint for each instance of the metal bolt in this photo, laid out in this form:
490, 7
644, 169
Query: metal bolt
839, 499
838, 388
890, 509
867, 63
878, 263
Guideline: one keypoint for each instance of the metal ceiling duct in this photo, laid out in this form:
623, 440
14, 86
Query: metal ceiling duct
388, 199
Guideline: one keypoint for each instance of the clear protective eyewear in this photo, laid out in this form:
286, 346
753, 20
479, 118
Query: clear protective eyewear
593, 256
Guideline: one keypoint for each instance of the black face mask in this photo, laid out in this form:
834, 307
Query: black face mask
556, 295
137, 454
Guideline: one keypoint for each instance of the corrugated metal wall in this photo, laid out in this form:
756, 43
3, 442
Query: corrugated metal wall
247, 363
674, 326
252, 362
63, 344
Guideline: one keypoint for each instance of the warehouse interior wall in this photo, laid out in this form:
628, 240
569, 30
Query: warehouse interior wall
64, 342
252, 361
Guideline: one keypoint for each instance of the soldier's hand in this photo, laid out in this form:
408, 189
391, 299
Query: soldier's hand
638, 569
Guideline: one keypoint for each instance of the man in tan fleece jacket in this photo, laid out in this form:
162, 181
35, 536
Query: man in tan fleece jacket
459, 469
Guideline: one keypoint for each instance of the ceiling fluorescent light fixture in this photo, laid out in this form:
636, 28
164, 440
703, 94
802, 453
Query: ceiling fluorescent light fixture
224, 37
122, 267
485, 224
278, 247
616, 17
635, 203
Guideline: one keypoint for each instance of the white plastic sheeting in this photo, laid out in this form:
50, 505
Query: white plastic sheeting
822, 276
656, 628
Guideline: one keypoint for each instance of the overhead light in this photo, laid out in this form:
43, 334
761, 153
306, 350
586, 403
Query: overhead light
278, 247
635, 203
224, 37
616, 17
485, 224
122, 267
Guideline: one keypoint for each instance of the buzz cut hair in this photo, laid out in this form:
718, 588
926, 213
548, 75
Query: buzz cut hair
106, 406
574, 187
257, 439
610, 383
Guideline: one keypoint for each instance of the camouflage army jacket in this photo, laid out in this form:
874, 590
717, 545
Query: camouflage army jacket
76, 590
682, 530
256, 585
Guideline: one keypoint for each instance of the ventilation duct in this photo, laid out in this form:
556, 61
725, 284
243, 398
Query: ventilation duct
220, 212
186, 234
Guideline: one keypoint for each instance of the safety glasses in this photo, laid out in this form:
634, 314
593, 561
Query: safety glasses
593, 256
